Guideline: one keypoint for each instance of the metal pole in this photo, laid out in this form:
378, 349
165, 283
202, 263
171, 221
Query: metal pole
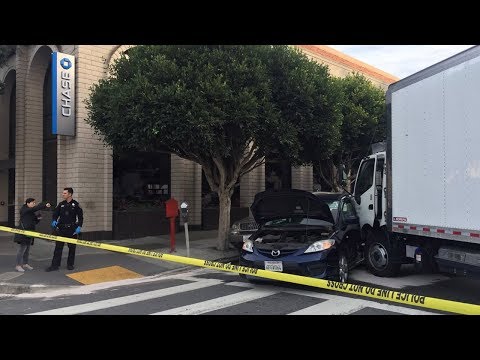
187, 240
172, 234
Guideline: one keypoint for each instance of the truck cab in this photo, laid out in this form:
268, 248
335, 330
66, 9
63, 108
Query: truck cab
382, 253
370, 191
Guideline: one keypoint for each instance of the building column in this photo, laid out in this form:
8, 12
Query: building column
84, 162
21, 66
33, 130
302, 178
5, 114
250, 184
186, 185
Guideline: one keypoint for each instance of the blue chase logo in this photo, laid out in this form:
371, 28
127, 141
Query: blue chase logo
65, 63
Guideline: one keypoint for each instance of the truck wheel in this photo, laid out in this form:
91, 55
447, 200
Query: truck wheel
378, 254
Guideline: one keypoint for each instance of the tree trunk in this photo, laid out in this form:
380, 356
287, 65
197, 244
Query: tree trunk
351, 174
348, 184
224, 207
334, 178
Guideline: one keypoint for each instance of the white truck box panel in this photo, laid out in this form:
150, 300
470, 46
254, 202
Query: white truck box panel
436, 149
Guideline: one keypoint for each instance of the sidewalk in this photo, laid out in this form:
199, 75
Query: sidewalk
202, 246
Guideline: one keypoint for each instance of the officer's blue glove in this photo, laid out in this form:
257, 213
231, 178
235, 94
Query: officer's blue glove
77, 230
54, 223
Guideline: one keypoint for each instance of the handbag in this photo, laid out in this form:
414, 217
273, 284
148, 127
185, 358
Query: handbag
20, 238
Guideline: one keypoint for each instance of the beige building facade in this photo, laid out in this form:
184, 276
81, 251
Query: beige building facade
33, 163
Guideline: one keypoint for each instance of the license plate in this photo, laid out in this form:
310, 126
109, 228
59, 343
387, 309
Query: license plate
274, 265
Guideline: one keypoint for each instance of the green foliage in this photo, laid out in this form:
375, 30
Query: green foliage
310, 97
191, 100
363, 111
204, 102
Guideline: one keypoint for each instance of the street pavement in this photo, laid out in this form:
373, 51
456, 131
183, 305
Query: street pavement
99, 265
194, 292
103, 267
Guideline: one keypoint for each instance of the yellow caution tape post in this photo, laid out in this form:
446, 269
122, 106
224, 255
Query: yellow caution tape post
366, 291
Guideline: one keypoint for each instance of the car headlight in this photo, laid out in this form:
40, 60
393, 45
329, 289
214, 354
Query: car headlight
248, 245
320, 245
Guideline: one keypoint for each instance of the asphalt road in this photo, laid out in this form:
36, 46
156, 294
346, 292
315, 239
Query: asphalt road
204, 291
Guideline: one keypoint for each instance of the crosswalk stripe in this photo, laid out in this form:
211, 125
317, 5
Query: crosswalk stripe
123, 300
331, 307
218, 303
336, 304
332, 299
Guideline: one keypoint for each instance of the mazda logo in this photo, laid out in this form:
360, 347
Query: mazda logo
275, 252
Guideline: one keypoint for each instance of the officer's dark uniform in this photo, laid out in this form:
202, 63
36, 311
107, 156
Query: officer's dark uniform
66, 214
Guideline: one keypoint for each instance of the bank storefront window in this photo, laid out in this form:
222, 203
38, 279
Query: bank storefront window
141, 179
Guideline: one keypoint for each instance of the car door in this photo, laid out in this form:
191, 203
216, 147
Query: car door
365, 192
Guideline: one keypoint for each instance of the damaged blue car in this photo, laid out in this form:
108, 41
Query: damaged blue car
298, 234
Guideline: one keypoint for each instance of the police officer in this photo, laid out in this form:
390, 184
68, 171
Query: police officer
67, 221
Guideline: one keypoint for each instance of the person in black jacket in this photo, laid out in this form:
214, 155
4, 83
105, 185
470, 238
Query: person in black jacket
28, 220
67, 221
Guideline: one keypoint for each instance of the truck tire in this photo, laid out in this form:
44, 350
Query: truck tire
379, 253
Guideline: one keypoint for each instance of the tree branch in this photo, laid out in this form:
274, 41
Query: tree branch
259, 163
188, 155
249, 155
208, 169
221, 169
251, 163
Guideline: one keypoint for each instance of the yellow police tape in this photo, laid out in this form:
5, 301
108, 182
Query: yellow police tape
362, 290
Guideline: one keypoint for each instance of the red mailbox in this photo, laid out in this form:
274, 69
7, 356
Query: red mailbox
171, 210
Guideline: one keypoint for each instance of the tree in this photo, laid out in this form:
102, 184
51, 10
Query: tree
363, 109
5, 52
223, 107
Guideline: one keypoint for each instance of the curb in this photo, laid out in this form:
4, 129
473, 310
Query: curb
16, 289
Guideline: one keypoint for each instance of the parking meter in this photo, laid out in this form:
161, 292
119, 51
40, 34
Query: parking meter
184, 219
184, 212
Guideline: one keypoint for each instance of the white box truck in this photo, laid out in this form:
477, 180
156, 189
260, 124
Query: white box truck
419, 201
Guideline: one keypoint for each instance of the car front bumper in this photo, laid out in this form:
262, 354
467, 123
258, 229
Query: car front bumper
320, 265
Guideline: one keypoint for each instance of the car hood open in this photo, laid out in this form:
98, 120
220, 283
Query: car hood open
270, 205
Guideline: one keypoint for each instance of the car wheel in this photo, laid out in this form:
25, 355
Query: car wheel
342, 267
379, 253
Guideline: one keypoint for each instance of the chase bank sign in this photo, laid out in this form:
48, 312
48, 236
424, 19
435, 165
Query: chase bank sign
63, 94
